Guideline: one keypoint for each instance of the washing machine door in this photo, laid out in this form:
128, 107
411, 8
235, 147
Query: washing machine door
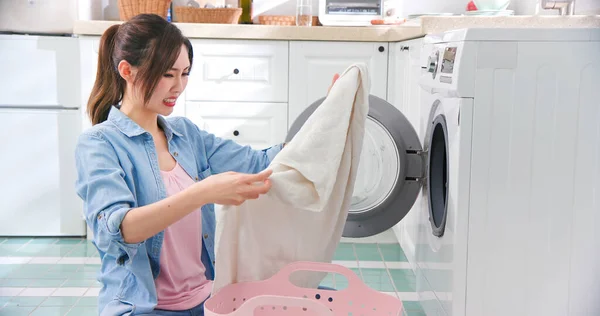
390, 170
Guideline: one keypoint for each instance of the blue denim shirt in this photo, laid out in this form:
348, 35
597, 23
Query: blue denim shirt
118, 170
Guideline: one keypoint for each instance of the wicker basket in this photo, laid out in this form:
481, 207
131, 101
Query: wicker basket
208, 15
130, 8
289, 20
277, 19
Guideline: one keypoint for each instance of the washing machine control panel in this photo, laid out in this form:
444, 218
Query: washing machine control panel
448, 67
445, 66
433, 63
448, 60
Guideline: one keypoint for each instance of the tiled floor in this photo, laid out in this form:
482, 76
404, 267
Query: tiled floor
57, 276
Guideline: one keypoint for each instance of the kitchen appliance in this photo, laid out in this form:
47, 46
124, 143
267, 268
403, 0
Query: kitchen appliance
361, 12
55, 17
41, 121
506, 221
350, 12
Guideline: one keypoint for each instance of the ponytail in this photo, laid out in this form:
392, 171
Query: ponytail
109, 86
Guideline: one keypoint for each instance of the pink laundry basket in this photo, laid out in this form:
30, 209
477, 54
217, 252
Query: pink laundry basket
278, 296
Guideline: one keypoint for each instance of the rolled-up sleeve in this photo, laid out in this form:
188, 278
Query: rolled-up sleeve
226, 155
106, 197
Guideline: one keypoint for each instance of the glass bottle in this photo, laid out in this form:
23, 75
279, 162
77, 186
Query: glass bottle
246, 17
304, 12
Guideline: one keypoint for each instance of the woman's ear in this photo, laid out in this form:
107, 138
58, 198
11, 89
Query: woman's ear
126, 71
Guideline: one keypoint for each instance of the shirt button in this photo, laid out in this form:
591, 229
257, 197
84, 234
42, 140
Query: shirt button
213, 262
197, 179
99, 216
205, 236
175, 154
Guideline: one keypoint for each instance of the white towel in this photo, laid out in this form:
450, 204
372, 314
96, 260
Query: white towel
303, 215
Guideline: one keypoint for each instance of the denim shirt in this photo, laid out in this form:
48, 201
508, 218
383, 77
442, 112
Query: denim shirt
118, 170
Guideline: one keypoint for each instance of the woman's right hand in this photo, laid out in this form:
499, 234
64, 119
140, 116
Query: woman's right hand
232, 188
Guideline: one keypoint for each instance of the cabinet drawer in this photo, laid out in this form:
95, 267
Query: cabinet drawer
226, 70
260, 125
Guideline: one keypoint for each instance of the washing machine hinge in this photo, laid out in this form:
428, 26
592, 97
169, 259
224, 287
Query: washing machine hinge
419, 159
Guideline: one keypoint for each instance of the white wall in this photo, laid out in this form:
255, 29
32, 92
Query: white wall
531, 7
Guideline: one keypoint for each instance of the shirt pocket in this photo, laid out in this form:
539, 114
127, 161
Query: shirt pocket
204, 174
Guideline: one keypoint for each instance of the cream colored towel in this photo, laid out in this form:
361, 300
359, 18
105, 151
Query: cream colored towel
303, 215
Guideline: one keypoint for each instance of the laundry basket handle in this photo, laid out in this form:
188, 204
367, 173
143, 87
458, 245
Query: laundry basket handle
282, 302
284, 273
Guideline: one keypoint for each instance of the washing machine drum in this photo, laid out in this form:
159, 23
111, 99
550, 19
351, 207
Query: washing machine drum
389, 172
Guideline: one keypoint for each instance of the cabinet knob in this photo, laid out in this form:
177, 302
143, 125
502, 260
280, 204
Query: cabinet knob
381, 49
236, 133
236, 71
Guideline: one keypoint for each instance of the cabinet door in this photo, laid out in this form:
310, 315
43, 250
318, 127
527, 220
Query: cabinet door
403, 79
260, 125
313, 64
237, 70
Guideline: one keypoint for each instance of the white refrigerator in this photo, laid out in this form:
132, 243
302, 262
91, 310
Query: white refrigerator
40, 121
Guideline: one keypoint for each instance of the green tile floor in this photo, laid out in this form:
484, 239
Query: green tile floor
57, 276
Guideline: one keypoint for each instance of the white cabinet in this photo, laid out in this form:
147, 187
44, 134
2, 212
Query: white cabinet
404, 93
259, 125
313, 64
237, 70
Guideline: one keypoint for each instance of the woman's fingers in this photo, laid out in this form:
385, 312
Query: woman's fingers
335, 77
259, 177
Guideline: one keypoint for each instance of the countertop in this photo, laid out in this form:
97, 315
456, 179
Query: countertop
396, 33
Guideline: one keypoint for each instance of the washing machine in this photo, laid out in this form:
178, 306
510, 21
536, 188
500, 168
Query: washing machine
501, 177
512, 189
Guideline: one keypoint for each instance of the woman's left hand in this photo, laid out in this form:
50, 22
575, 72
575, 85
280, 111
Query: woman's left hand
335, 78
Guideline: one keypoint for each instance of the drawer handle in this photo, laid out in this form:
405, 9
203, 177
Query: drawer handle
236, 71
236, 133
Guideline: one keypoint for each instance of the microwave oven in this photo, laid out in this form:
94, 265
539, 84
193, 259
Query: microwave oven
350, 12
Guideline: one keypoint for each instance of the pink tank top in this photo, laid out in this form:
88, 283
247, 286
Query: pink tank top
181, 283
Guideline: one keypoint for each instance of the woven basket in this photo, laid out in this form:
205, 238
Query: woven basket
208, 15
277, 19
130, 8
288, 20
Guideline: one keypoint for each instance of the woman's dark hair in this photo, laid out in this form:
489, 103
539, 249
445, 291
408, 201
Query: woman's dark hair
148, 42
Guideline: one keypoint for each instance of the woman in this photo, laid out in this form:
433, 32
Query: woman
148, 182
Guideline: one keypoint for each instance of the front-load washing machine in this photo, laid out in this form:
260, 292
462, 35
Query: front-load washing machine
513, 185
506, 166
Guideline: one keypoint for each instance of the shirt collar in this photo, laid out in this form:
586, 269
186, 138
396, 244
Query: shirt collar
130, 128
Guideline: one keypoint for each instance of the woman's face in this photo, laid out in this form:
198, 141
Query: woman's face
171, 85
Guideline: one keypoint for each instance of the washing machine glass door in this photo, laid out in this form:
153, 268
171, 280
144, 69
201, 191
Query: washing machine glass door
438, 157
389, 173
379, 169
